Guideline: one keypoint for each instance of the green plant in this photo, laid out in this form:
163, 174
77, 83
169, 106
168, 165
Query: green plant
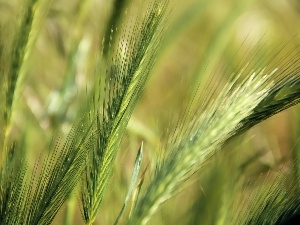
77, 130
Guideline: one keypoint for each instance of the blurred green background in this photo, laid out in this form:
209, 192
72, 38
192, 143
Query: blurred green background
204, 37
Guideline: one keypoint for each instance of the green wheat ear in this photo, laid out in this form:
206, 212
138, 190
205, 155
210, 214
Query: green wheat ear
121, 82
36, 198
238, 107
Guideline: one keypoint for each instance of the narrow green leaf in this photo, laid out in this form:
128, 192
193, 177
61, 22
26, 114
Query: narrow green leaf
137, 191
135, 173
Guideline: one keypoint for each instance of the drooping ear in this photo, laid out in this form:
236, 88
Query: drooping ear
251, 96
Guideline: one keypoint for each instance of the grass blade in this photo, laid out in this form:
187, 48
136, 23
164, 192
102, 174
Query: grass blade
135, 173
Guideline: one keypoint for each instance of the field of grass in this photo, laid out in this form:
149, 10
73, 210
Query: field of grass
149, 112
